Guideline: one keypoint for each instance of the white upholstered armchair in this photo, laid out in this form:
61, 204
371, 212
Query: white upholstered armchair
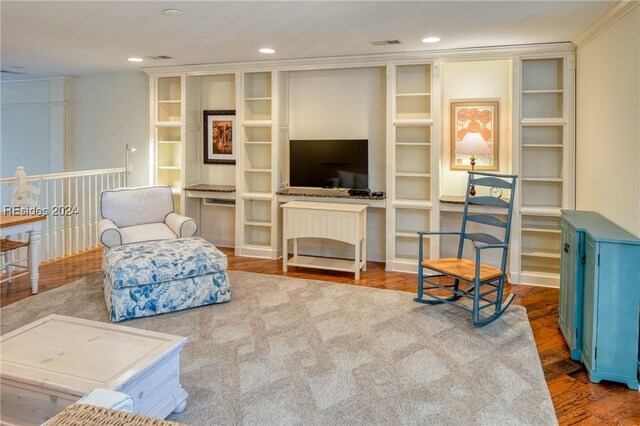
132, 215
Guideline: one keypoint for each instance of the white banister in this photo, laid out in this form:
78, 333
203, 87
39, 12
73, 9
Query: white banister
71, 202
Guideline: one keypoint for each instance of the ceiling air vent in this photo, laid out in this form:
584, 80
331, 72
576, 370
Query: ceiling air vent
385, 42
160, 57
10, 72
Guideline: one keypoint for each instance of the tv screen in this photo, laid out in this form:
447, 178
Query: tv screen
329, 163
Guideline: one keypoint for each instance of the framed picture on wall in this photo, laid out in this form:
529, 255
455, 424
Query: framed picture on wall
474, 116
219, 137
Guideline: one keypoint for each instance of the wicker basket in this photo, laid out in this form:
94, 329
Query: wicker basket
90, 415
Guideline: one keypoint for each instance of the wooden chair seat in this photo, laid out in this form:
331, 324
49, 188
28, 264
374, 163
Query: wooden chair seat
7, 245
462, 268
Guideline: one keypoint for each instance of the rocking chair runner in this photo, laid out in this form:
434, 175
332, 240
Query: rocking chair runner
482, 280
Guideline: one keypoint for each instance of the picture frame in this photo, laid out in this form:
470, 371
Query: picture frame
219, 137
475, 115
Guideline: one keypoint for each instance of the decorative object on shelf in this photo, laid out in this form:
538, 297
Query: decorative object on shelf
496, 192
126, 162
480, 117
473, 144
219, 137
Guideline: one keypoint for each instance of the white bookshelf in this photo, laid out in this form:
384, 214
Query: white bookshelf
544, 146
410, 183
413, 92
169, 134
257, 167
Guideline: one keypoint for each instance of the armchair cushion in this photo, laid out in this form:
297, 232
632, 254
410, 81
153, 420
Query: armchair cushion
148, 232
136, 206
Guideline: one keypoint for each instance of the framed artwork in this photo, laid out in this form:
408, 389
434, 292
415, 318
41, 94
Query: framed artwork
474, 116
219, 137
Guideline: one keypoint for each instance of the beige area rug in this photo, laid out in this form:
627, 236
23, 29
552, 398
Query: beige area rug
289, 351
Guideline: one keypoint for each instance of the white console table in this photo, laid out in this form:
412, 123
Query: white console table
334, 221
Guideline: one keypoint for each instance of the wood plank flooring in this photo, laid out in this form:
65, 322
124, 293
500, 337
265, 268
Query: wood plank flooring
577, 401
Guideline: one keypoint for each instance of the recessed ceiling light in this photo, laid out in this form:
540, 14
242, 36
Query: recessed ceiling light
134, 59
267, 50
172, 12
431, 39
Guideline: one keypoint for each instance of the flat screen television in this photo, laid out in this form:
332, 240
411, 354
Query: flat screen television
329, 163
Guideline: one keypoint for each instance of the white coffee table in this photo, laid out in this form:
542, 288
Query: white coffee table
49, 364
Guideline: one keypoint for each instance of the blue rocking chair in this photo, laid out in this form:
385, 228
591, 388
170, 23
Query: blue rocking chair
467, 278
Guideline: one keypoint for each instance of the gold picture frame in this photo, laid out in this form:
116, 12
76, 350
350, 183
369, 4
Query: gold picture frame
480, 116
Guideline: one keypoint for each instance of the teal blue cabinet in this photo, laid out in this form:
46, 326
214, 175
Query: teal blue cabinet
571, 288
599, 312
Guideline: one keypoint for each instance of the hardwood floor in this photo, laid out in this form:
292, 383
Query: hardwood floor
576, 400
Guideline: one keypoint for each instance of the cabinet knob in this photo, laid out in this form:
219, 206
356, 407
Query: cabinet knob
566, 247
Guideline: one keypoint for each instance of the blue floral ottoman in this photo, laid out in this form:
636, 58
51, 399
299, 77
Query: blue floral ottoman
163, 276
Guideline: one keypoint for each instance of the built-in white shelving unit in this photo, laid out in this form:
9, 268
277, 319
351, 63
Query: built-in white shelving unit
168, 128
541, 105
257, 233
411, 169
545, 146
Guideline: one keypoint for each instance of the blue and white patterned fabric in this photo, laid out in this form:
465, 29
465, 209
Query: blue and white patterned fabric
152, 299
159, 261
163, 276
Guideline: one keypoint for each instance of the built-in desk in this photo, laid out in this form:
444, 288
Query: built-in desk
204, 190
214, 208
329, 195
212, 194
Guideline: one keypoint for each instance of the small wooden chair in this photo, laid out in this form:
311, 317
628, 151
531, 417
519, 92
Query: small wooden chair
482, 280
23, 195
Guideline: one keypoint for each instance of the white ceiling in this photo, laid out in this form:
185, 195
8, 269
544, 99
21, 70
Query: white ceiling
52, 38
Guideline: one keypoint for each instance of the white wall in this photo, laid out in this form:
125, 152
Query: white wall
608, 125
33, 126
218, 92
214, 92
341, 104
109, 111
344, 104
487, 80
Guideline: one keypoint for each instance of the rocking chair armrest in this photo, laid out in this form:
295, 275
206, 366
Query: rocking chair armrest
422, 233
490, 246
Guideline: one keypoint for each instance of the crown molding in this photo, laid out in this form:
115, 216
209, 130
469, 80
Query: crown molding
367, 60
613, 15
38, 80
